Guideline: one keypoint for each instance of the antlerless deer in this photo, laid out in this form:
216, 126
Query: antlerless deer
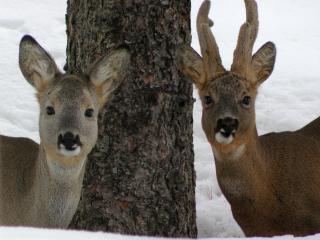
40, 184
272, 181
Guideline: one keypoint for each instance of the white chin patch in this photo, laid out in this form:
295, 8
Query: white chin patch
222, 139
69, 153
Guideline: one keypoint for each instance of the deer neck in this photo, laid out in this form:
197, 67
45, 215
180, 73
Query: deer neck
57, 191
241, 169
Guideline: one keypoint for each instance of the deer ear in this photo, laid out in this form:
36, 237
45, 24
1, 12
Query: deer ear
36, 65
191, 64
263, 61
108, 73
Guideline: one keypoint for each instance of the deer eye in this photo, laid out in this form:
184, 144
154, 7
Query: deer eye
246, 101
89, 112
50, 110
208, 100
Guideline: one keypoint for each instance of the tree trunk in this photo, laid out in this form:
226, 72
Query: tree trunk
140, 178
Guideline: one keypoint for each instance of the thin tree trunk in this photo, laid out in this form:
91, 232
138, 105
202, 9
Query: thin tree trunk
140, 178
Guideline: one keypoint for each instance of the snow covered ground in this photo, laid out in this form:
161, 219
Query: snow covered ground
41, 234
287, 101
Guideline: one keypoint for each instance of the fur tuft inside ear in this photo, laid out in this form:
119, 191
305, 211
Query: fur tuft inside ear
263, 62
36, 65
109, 72
191, 64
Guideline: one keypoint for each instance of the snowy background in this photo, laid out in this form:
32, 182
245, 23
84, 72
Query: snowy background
287, 100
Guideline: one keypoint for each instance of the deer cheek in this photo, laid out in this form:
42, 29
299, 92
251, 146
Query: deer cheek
208, 127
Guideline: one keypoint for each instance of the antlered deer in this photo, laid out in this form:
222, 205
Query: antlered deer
40, 185
272, 181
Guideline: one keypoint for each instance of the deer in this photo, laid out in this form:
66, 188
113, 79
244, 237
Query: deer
272, 181
40, 184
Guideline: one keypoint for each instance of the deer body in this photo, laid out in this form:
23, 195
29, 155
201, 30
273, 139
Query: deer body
40, 184
32, 195
271, 181
266, 185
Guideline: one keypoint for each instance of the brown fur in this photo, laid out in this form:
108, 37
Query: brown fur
40, 185
272, 181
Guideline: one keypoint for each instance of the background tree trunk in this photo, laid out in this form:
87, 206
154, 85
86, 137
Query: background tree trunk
140, 178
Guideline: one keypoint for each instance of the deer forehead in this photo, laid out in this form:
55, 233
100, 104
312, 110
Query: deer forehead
228, 85
71, 90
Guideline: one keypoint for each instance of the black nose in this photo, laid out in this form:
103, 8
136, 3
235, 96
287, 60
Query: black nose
227, 126
69, 140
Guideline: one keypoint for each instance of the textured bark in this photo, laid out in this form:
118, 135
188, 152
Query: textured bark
140, 178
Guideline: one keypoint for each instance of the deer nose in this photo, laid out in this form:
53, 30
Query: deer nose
69, 141
227, 126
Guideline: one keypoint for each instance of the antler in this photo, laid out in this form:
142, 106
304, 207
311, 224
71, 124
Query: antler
208, 45
247, 36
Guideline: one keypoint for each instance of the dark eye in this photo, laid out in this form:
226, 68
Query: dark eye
50, 110
208, 100
89, 112
246, 101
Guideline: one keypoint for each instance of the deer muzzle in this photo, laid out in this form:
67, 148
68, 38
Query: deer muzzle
69, 144
226, 130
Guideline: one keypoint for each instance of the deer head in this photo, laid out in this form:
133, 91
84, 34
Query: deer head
228, 97
69, 104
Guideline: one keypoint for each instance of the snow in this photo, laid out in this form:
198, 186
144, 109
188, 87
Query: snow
19, 233
32, 234
287, 101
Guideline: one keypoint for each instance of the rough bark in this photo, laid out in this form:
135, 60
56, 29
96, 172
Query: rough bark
140, 178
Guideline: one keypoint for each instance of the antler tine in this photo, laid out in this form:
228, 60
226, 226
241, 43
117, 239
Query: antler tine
208, 44
247, 37
252, 18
